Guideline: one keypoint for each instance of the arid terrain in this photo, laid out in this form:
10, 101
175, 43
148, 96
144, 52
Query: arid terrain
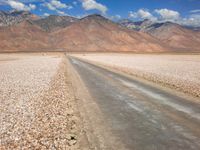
56, 101
181, 72
93, 82
24, 32
37, 103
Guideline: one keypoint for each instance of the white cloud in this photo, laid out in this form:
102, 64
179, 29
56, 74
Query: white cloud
55, 4
167, 14
143, 14
81, 16
46, 14
174, 16
132, 14
20, 6
49, 6
32, 6
195, 11
61, 12
4, 2
75, 2
16, 5
92, 4
192, 20
115, 17
58, 4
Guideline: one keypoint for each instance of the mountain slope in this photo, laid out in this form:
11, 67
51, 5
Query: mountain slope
54, 22
176, 36
138, 26
15, 17
96, 33
24, 36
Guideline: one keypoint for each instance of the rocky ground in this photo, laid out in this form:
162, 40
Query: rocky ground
180, 72
37, 105
44, 104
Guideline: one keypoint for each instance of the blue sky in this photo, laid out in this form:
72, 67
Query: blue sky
180, 11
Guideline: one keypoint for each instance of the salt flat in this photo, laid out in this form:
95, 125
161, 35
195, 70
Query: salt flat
181, 72
36, 103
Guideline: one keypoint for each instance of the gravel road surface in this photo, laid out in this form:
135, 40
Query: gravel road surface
141, 116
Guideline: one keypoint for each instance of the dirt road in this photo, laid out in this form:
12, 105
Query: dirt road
141, 116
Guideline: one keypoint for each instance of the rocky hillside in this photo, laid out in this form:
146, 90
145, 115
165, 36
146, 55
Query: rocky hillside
138, 26
54, 22
96, 33
15, 17
176, 36
23, 31
24, 36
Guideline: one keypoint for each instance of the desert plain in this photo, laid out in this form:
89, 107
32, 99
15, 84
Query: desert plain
177, 71
37, 104
87, 75
70, 101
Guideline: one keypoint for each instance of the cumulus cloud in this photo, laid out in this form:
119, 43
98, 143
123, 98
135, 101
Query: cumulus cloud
162, 15
61, 12
174, 16
32, 6
92, 4
143, 14
58, 4
49, 6
167, 14
192, 20
46, 14
115, 17
4, 2
55, 4
20, 6
195, 11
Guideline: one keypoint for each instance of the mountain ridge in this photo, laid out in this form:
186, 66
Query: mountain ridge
93, 33
14, 17
176, 36
54, 22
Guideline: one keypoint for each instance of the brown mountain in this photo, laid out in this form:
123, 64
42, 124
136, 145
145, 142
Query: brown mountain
15, 17
24, 36
53, 22
96, 33
176, 36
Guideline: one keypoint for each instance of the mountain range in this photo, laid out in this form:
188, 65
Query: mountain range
15, 17
23, 31
176, 36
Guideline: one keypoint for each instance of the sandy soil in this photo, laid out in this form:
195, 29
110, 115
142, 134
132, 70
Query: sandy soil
181, 72
37, 105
